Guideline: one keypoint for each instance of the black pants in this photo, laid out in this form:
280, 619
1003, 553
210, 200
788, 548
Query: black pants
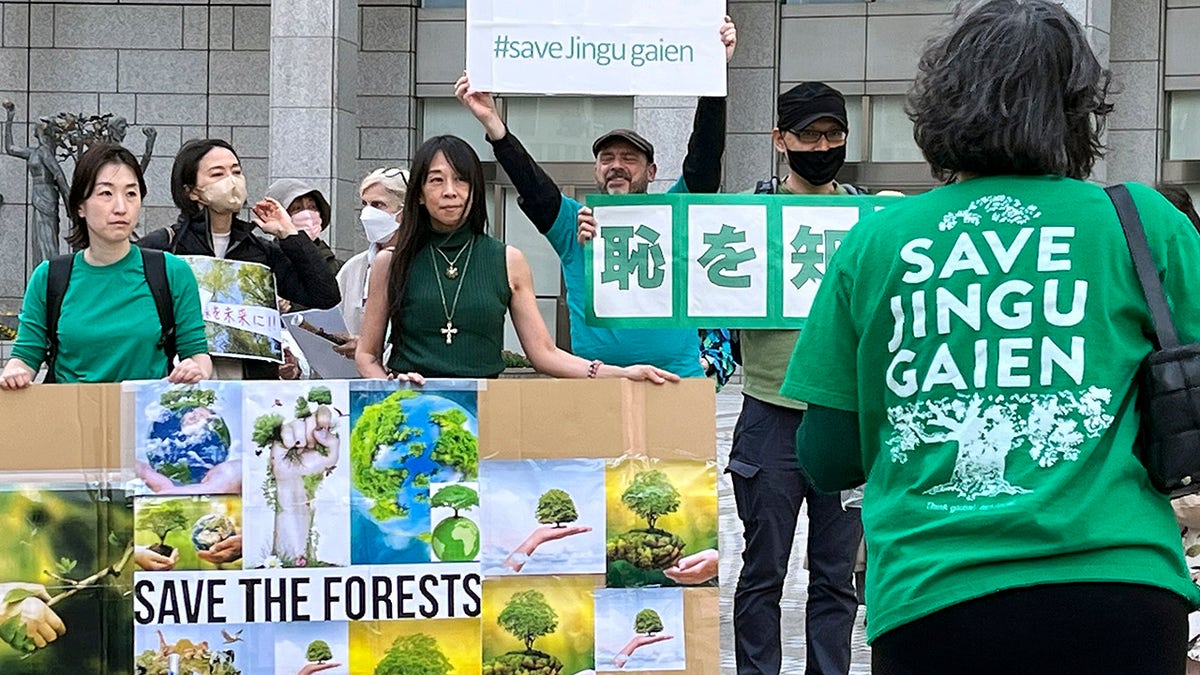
769, 488
1060, 629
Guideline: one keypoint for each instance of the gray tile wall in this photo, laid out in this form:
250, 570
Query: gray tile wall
186, 68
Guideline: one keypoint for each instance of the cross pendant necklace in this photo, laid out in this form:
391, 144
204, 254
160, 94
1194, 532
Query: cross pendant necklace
448, 309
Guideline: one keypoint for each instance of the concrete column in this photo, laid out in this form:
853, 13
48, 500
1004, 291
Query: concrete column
314, 77
665, 121
1137, 126
753, 83
387, 110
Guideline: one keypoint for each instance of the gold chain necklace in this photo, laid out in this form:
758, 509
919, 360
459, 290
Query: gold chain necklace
450, 331
451, 265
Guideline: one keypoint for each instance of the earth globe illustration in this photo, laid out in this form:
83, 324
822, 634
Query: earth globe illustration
212, 529
399, 445
186, 441
456, 539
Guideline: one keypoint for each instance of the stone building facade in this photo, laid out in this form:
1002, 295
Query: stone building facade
327, 90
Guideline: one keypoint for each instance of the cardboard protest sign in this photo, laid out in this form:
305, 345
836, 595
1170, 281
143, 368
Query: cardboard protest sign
465, 526
616, 47
735, 261
241, 314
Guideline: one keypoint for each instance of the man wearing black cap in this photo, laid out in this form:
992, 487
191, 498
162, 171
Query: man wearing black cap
768, 485
624, 165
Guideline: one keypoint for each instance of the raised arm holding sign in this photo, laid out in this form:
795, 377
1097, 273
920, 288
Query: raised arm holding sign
624, 165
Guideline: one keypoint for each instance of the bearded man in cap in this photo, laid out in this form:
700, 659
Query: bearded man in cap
624, 165
768, 485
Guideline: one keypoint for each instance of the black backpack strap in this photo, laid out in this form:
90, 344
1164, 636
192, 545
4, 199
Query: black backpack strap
767, 187
1165, 336
154, 264
57, 279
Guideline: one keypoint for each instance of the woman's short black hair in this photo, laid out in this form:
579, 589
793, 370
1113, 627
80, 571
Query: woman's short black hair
183, 172
1011, 88
83, 183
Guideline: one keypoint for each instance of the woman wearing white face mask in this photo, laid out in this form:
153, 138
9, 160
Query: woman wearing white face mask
208, 187
382, 193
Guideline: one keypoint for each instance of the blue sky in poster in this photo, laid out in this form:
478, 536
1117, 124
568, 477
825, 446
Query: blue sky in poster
509, 494
616, 614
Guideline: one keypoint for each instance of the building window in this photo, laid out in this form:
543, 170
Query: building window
562, 128
1183, 111
443, 3
892, 132
449, 116
857, 132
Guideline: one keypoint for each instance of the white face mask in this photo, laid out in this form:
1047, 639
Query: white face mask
378, 224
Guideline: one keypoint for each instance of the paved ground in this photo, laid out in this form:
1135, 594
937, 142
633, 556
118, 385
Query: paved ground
729, 403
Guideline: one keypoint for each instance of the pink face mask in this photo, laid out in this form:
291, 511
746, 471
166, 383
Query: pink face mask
309, 222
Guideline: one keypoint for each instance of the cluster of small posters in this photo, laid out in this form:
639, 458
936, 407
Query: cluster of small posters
359, 527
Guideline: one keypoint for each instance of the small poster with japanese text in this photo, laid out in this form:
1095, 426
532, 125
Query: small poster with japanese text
241, 313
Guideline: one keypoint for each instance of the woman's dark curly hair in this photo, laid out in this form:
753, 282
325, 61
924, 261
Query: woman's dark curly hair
1012, 88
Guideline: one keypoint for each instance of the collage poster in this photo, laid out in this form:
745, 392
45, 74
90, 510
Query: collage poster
352, 527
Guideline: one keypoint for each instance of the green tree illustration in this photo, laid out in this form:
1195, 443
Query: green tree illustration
527, 616
319, 651
651, 496
556, 506
648, 621
220, 279
457, 497
161, 519
417, 654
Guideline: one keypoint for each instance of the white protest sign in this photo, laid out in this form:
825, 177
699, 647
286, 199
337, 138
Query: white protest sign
727, 248
603, 47
634, 248
811, 234
731, 260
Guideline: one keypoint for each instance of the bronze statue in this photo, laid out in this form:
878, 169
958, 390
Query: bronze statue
75, 133
49, 182
117, 126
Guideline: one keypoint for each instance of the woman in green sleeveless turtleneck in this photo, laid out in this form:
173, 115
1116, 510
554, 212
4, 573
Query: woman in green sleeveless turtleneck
445, 289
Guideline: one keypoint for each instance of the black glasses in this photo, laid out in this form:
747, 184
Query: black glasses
814, 136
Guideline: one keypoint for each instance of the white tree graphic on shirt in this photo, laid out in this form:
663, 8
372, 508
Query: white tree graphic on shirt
987, 428
999, 208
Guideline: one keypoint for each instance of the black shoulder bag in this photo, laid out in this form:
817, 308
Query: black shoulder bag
1169, 378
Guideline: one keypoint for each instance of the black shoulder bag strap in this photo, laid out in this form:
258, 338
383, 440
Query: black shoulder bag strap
154, 264
1164, 336
57, 279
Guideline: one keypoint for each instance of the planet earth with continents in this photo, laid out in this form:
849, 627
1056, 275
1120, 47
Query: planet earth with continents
455, 539
187, 437
212, 529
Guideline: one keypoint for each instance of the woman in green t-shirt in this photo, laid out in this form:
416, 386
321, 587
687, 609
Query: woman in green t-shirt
440, 298
109, 328
971, 356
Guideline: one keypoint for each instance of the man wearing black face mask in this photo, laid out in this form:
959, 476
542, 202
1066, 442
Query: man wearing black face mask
768, 484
